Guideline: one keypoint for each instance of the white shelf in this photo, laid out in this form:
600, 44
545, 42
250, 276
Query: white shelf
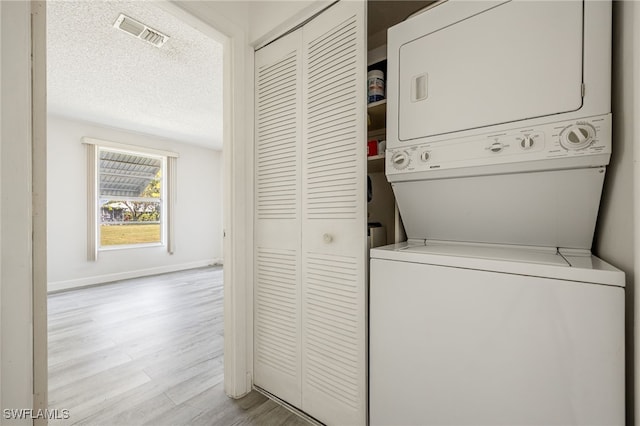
377, 115
373, 105
377, 54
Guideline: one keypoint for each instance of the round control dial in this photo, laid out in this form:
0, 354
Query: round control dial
400, 160
577, 136
496, 147
526, 142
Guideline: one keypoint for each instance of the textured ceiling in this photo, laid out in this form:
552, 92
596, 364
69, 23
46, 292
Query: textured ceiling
98, 73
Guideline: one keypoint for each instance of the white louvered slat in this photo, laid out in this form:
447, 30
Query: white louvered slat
277, 290
331, 331
310, 217
276, 323
334, 217
332, 187
277, 138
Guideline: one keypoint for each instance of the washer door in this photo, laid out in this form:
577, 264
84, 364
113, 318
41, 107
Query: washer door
481, 64
556, 208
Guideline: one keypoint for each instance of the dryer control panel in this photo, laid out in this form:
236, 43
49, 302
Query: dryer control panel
567, 140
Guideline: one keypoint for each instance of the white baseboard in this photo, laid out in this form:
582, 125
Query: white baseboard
101, 279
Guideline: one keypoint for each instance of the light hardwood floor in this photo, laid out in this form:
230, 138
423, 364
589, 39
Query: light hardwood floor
147, 351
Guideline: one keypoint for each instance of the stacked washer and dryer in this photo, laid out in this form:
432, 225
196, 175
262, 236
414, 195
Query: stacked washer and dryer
499, 132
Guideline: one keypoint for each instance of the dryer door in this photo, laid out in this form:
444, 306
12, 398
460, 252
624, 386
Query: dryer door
478, 64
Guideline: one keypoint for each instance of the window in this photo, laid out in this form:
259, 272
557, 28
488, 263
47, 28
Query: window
131, 192
130, 198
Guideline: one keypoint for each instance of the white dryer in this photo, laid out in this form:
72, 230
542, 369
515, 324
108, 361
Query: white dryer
475, 334
462, 66
499, 124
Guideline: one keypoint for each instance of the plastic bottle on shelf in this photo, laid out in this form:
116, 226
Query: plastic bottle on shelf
375, 84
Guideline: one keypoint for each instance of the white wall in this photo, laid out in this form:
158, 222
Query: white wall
269, 19
198, 211
16, 347
614, 240
233, 13
261, 20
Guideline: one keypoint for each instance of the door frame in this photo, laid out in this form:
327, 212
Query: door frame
19, 203
237, 190
39, 215
237, 197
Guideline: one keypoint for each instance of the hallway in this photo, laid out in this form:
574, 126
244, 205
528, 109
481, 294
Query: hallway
147, 351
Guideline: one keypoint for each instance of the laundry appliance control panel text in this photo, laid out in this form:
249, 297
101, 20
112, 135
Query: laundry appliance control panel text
590, 137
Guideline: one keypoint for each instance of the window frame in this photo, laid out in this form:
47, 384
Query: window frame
167, 197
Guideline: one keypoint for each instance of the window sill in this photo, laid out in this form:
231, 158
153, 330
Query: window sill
130, 246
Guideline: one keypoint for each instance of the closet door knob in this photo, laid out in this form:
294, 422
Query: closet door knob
327, 238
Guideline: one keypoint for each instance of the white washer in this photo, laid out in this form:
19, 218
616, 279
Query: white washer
481, 334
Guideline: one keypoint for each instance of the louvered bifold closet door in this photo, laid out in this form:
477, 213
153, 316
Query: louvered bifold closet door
334, 216
277, 303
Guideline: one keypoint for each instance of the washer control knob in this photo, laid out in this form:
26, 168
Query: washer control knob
577, 136
526, 142
496, 147
400, 160
424, 156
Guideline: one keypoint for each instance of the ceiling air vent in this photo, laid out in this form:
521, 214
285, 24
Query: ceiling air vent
140, 30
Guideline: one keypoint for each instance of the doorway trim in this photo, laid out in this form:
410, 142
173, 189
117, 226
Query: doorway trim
39, 214
237, 191
237, 198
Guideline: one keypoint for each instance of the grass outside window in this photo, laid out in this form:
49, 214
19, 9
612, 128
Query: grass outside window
112, 235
